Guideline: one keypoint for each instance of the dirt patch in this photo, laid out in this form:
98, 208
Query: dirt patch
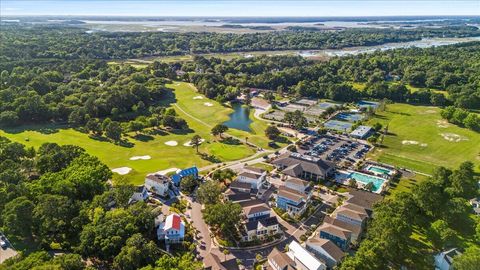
141, 157
208, 104
452, 137
198, 97
122, 170
171, 143
189, 143
442, 123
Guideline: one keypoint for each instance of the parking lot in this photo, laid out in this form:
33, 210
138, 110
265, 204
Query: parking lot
336, 149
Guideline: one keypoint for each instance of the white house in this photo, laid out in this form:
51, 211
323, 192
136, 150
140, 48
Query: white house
158, 184
260, 229
303, 259
325, 250
172, 230
444, 260
139, 195
253, 176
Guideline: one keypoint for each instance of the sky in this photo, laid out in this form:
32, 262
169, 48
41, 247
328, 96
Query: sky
235, 8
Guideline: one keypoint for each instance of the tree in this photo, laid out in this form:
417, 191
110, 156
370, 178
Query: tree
135, 126
441, 235
219, 129
196, 141
463, 184
94, 126
188, 184
270, 97
17, 217
223, 216
296, 119
369, 186
113, 131
184, 262
209, 193
469, 260
222, 175
8, 118
352, 183
272, 132
136, 253
52, 216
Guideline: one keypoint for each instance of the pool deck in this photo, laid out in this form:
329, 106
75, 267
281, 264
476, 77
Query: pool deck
344, 180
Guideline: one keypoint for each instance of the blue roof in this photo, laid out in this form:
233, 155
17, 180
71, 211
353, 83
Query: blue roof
176, 178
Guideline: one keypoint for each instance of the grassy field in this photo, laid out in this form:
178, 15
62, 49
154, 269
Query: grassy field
200, 119
419, 139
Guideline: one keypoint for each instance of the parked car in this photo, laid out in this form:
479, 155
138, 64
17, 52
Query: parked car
3, 243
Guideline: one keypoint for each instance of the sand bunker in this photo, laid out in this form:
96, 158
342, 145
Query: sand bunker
442, 123
140, 157
198, 97
208, 104
165, 172
452, 137
189, 143
171, 143
430, 111
122, 170
405, 142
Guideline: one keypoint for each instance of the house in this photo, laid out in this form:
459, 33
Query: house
475, 203
341, 237
172, 230
364, 199
303, 259
158, 184
303, 166
444, 260
180, 174
356, 230
326, 251
298, 185
253, 176
236, 196
140, 194
255, 209
260, 229
280, 261
213, 262
362, 132
352, 214
292, 201
240, 187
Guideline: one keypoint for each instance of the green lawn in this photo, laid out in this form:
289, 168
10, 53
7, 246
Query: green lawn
419, 139
162, 156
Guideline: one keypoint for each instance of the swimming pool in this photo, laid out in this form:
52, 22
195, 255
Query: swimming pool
343, 177
379, 170
365, 179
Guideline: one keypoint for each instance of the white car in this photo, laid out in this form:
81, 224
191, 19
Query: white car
3, 244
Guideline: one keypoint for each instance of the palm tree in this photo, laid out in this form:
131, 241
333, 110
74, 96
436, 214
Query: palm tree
196, 141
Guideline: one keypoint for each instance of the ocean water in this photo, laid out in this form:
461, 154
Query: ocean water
262, 8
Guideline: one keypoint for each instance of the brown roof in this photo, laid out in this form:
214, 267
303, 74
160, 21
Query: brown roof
212, 262
297, 181
281, 259
334, 230
355, 229
240, 185
355, 208
250, 175
307, 163
352, 214
333, 250
260, 102
158, 178
364, 199
291, 194
256, 209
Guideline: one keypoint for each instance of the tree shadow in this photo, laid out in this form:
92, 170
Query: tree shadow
142, 137
99, 138
168, 98
158, 132
182, 131
43, 129
230, 141
125, 143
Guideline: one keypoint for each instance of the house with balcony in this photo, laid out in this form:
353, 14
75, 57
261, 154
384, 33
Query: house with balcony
356, 230
253, 176
326, 251
157, 184
140, 194
255, 209
341, 237
260, 229
352, 214
292, 201
172, 230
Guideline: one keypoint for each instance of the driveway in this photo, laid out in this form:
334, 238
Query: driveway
7, 252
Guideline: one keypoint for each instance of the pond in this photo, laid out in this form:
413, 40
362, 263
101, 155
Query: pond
239, 118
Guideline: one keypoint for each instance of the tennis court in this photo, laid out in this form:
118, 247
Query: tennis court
338, 125
350, 117
365, 104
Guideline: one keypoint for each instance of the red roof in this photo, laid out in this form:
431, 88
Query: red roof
173, 221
